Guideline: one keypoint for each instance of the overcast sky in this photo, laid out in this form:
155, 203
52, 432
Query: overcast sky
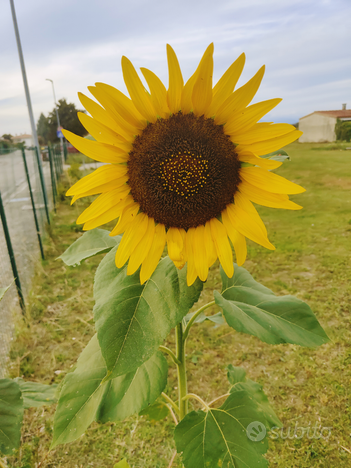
305, 45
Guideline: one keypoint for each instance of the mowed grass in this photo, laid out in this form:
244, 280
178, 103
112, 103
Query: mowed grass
308, 388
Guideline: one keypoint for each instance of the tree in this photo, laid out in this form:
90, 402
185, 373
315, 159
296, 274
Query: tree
7, 137
68, 120
343, 130
43, 129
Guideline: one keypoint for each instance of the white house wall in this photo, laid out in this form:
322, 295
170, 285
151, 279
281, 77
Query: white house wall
317, 128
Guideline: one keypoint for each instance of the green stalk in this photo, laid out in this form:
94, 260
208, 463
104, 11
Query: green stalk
181, 369
194, 317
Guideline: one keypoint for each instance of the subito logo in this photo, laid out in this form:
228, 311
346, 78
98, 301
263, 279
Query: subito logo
256, 431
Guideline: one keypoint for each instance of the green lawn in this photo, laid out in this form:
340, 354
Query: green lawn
307, 387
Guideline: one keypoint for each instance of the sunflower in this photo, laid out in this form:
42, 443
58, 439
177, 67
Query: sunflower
183, 166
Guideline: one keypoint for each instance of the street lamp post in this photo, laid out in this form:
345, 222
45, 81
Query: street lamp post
57, 115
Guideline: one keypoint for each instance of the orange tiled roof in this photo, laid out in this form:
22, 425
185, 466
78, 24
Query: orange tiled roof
338, 114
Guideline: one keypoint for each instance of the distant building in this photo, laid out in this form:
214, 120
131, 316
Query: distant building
26, 139
320, 125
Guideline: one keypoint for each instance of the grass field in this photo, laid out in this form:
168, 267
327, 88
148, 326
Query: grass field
307, 387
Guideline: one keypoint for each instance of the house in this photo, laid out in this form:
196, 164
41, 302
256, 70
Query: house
25, 138
320, 125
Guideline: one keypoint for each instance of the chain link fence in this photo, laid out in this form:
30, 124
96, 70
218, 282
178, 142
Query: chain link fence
28, 188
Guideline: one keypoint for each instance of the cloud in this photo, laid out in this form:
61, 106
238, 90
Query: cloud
304, 44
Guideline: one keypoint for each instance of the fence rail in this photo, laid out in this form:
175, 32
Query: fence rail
28, 192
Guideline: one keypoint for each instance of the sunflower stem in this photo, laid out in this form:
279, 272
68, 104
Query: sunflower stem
170, 353
194, 317
181, 369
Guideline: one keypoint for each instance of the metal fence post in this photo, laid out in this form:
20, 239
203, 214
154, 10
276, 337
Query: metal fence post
33, 204
42, 182
53, 182
12, 257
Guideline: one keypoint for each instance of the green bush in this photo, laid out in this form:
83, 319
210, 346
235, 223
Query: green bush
343, 130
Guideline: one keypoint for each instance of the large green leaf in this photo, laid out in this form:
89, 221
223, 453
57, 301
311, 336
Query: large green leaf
3, 291
237, 377
84, 398
131, 319
11, 415
36, 394
251, 308
218, 438
89, 244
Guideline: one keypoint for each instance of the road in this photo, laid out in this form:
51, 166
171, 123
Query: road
20, 220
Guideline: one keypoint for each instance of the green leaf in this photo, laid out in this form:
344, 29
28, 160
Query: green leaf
121, 464
279, 155
36, 394
89, 244
130, 393
251, 308
85, 398
215, 318
236, 374
237, 377
218, 438
255, 390
11, 415
3, 291
155, 412
131, 319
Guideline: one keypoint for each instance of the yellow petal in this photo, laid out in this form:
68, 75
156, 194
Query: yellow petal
240, 98
175, 246
131, 239
127, 217
100, 176
191, 273
117, 185
238, 240
267, 146
247, 156
210, 247
264, 198
142, 249
269, 181
103, 203
137, 92
125, 128
104, 218
200, 254
98, 151
123, 105
100, 132
152, 258
202, 91
99, 113
175, 88
244, 203
108, 187
223, 249
245, 224
186, 102
244, 119
260, 132
226, 84
158, 92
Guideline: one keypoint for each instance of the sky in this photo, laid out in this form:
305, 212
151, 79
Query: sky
305, 45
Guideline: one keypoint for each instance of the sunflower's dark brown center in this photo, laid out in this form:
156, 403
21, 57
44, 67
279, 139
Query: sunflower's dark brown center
183, 171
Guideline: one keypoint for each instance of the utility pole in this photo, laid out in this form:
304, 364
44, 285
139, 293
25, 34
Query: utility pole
29, 103
57, 116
